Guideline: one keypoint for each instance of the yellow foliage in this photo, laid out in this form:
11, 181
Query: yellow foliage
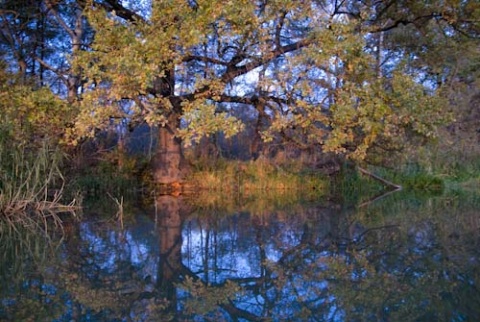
30, 115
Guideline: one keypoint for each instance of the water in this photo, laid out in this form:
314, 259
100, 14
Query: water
401, 258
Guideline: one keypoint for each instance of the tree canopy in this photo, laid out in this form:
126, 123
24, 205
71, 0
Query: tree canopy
361, 79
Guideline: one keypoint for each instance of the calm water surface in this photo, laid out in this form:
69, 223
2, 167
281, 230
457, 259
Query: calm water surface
401, 258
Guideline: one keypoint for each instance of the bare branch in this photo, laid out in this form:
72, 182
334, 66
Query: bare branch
385, 182
61, 22
56, 71
278, 29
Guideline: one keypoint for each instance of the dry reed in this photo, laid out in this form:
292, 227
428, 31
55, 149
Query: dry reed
32, 186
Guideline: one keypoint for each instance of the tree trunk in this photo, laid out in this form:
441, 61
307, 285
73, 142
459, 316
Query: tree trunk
170, 166
257, 148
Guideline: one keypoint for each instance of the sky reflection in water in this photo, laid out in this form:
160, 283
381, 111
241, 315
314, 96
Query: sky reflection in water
395, 260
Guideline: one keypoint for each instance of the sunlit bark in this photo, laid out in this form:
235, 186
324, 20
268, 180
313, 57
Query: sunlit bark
170, 166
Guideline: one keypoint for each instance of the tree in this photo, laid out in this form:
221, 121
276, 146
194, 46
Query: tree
22, 36
310, 69
29, 117
35, 39
439, 43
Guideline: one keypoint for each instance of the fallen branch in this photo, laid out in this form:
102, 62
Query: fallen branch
394, 187
385, 182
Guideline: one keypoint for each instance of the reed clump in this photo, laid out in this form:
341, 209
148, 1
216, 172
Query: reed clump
32, 185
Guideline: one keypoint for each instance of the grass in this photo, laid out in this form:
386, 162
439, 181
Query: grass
108, 191
412, 176
255, 176
253, 186
103, 179
457, 163
32, 186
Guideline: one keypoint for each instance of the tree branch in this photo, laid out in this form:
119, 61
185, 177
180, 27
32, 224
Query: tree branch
234, 71
385, 182
56, 71
204, 59
121, 11
405, 22
61, 22
279, 27
239, 313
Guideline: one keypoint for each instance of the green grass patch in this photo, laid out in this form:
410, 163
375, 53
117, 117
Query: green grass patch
458, 164
104, 179
256, 176
414, 177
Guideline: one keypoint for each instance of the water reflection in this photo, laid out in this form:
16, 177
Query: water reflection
399, 259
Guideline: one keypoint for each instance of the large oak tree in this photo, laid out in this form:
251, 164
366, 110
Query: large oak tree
316, 73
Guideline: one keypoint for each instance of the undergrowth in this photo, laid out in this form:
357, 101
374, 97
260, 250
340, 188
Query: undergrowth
255, 176
32, 185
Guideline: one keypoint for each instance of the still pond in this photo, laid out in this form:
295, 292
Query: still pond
401, 258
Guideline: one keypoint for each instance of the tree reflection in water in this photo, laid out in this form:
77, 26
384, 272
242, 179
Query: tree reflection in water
401, 261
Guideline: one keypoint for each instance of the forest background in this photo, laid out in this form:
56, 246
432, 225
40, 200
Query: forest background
187, 95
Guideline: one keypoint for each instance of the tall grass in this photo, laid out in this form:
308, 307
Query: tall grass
32, 185
457, 162
255, 176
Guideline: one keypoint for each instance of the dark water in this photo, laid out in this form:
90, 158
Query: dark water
401, 258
